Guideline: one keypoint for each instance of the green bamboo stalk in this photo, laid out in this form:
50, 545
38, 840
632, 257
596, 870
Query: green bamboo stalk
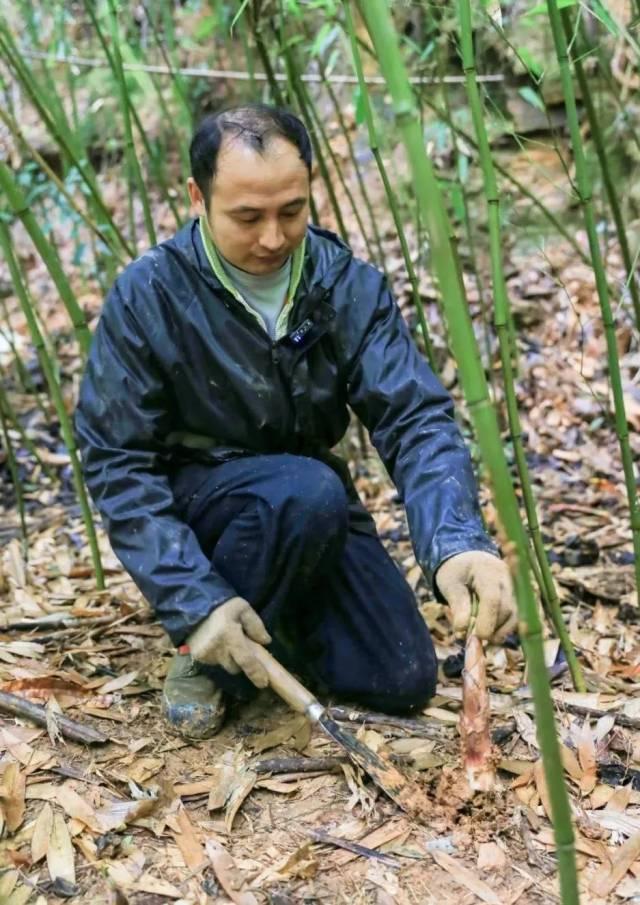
19, 207
178, 87
245, 35
26, 382
20, 137
587, 47
125, 103
483, 303
15, 475
12, 417
521, 188
316, 122
297, 89
274, 87
60, 132
60, 13
390, 194
381, 29
373, 220
603, 159
584, 194
155, 162
501, 298
58, 401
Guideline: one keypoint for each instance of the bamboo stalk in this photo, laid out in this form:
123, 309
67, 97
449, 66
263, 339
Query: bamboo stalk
380, 258
380, 27
301, 97
482, 301
390, 195
59, 132
502, 305
24, 377
13, 471
607, 177
125, 103
21, 209
155, 163
12, 416
522, 189
177, 81
274, 87
584, 192
19, 135
56, 396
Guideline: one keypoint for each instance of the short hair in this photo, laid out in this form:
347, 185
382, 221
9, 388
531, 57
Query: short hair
254, 124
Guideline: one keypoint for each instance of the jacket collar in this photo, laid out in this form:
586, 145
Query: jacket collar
325, 255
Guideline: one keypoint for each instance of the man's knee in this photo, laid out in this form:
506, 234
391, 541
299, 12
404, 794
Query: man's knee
315, 497
411, 687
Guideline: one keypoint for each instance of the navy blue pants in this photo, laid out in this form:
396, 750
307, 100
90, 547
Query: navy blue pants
277, 529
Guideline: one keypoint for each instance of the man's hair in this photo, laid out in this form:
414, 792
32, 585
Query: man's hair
254, 124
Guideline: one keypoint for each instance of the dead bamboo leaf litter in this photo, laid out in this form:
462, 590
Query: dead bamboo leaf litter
145, 814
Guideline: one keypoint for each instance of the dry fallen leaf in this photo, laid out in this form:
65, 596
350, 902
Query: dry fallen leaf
188, 843
491, 857
465, 877
228, 874
294, 732
156, 887
12, 792
119, 682
302, 863
60, 861
246, 780
76, 807
41, 833
605, 883
587, 757
117, 814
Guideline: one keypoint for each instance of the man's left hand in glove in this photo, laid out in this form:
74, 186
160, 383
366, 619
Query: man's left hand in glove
487, 577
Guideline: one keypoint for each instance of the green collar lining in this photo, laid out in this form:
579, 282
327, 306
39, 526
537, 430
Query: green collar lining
219, 271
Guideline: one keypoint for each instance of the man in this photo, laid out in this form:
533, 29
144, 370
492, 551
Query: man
217, 384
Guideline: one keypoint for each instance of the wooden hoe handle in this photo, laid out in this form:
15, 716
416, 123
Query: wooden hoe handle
284, 684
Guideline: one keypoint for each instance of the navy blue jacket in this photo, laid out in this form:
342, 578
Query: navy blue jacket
179, 370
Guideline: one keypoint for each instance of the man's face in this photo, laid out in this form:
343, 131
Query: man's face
259, 204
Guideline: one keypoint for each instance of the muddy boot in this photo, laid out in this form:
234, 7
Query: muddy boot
191, 703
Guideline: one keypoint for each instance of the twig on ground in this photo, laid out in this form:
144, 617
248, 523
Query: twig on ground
321, 836
17, 706
299, 765
419, 728
53, 620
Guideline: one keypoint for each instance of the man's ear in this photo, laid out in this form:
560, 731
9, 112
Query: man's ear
197, 201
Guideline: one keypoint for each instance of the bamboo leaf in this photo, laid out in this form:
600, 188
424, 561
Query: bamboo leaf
531, 97
240, 11
541, 8
600, 11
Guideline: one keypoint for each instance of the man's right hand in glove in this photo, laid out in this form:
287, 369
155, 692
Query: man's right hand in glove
221, 640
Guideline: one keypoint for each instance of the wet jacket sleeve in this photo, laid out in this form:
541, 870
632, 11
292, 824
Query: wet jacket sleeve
120, 421
409, 415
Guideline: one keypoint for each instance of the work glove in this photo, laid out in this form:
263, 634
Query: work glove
221, 640
487, 577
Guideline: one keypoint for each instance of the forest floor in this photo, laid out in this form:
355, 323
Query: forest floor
149, 818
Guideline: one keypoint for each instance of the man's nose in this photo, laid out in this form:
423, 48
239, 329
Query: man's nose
272, 238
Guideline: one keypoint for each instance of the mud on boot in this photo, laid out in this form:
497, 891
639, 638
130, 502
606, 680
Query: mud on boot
192, 704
